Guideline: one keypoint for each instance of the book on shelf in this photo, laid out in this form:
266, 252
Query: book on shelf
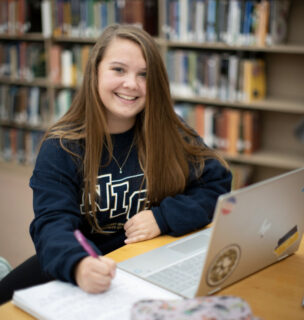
55, 63
209, 127
67, 68
278, 24
4, 107
63, 102
223, 81
133, 12
262, 13
200, 119
234, 134
254, 80
233, 75
233, 34
46, 18
251, 132
151, 17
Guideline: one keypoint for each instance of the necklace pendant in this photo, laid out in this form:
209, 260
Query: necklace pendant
120, 170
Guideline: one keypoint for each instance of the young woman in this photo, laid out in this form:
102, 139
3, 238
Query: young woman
120, 166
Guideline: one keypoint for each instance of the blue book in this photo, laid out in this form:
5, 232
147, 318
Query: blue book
211, 21
104, 15
246, 30
176, 19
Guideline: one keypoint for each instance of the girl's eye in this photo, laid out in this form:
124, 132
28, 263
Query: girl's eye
118, 69
143, 74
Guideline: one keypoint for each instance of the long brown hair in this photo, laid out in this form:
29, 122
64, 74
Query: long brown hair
165, 144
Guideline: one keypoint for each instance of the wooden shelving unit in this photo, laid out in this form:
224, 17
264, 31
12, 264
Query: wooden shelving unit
281, 111
283, 107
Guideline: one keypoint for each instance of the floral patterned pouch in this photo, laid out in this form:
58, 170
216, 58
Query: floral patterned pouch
200, 308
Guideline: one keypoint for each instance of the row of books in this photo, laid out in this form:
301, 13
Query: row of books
30, 105
22, 60
230, 130
235, 22
20, 16
79, 18
67, 65
19, 145
224, 76
24, 105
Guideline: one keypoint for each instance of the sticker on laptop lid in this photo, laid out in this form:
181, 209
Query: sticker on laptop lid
223, 265
228, 205
287, 240
265, 226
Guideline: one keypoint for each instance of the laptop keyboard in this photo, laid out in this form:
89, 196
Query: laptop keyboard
181, 276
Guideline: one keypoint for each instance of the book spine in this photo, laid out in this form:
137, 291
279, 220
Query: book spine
46, 18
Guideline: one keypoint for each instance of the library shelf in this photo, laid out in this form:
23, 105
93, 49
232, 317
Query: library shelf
268, 159
280, 110
269, 104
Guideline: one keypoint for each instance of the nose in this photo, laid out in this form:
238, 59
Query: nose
130, 81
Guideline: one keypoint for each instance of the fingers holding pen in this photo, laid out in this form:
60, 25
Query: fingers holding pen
95, 275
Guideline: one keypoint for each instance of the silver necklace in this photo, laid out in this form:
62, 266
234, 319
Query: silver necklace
126, 158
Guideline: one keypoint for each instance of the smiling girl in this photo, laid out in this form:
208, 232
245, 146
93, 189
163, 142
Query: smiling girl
120, 166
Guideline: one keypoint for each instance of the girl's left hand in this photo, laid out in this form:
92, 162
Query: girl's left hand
140, 227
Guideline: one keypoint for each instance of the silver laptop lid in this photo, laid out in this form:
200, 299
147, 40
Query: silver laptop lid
253, 228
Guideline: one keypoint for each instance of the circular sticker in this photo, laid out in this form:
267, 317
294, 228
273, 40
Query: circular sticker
223, 265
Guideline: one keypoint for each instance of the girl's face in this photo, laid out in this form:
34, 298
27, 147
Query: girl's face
122, 83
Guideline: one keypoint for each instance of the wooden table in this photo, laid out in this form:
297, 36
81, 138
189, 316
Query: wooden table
273, 293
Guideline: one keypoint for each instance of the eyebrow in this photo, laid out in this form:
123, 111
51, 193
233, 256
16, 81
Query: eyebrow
124, 65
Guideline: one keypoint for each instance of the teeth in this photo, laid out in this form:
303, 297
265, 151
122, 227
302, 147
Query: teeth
126, 97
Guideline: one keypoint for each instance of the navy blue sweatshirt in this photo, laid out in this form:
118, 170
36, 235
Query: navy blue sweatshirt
57, 184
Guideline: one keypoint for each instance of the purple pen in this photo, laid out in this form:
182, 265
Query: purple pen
84, 243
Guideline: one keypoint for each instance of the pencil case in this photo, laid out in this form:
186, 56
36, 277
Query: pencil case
206, 308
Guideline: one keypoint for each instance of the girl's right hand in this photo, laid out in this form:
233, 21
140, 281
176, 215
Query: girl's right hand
95, 275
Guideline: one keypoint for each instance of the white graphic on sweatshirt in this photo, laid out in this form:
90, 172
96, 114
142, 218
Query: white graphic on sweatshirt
117, 197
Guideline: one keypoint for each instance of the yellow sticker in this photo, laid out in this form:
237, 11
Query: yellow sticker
287, 240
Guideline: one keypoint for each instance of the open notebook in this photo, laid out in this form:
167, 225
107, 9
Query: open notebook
58, 300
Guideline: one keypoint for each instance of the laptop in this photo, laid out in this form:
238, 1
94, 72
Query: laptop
253, 227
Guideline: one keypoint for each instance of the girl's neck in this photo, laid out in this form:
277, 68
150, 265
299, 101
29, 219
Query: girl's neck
120, 125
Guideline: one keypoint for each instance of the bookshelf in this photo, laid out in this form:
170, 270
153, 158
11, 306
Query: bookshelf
279, 112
